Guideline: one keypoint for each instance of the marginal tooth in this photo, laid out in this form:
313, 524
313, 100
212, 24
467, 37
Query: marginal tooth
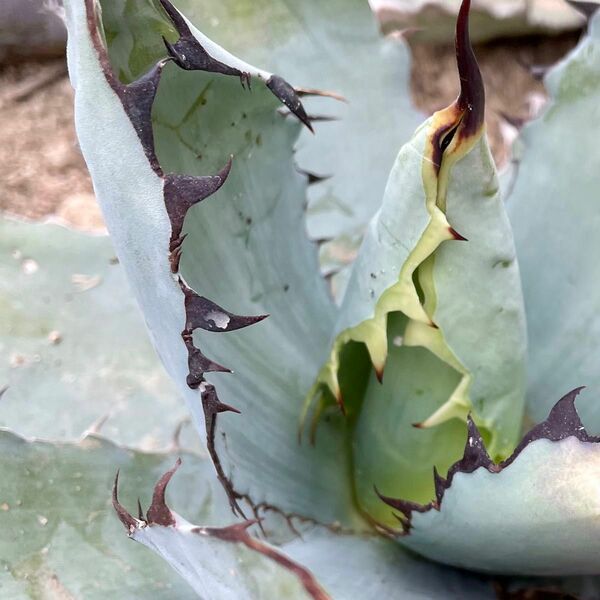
404, 523
187, 52
562, 422
159, 513
140, 511
404, 506
313, 177
212, 404
138, 98
202, 313
475, 454
377, 346
181, 192
288, 95
128, 521
457, 236
198, 364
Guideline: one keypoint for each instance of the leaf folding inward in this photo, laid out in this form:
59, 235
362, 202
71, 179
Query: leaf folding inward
452, 133
562, 422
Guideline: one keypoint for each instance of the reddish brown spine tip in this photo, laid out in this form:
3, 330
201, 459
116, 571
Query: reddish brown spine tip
379, 374
224, 172
159, 513
128, 521
140, 511
221, 408
457, 235
472, 93
312, 177
418, 425
404, 506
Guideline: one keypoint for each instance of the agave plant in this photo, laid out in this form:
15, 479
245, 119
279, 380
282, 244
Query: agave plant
385, 411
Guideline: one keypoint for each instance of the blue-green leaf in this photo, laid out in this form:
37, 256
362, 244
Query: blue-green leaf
555, 217
244, 249
75, 350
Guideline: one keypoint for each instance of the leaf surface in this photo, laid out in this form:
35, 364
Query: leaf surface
536, 513
244, 250
435, 299
324, 45
75, 350
60, 537
555, 217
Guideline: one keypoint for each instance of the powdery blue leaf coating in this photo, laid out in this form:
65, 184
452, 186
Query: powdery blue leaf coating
554, 213
244, 249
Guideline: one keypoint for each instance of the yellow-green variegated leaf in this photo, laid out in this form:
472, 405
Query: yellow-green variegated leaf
439, 318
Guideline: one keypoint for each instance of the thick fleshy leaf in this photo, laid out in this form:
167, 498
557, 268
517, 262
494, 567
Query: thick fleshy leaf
454, 342
60, 537
555, 217
315, 44
230, 562
245, 250
218, 562
75, 351
536, 513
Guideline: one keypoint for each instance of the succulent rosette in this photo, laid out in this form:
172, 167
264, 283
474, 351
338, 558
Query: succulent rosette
401, 392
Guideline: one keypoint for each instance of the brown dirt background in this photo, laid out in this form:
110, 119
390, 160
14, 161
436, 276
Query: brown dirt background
42, 172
